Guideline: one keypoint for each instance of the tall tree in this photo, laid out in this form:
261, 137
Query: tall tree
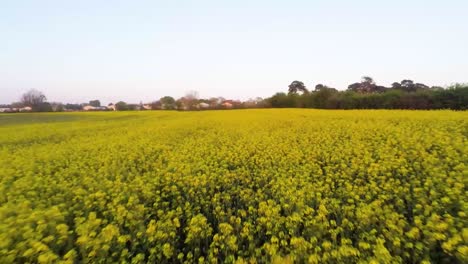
396, 85
355, 87
34, 99
408, 85
367, 85
319, 87
367, 79
167, 102
297, 86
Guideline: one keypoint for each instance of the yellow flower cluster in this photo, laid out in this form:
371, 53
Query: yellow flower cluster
244, 186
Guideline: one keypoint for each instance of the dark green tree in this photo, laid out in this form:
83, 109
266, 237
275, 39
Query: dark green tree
167, 102
297, 86
95, 103
121, 106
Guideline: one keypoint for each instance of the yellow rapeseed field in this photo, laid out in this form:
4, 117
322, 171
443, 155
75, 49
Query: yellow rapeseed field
241, 186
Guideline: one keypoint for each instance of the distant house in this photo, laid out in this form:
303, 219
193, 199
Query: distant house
203, 105
25, 109
216, 102
5, 110
112, 107
89, 108
94, 108
228, 104
9, 110
147, 107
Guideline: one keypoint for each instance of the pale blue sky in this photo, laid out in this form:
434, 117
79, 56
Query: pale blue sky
137, 50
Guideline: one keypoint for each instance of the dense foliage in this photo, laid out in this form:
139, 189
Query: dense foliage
376, 97
281, 186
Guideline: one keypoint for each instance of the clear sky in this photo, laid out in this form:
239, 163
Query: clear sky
137, 50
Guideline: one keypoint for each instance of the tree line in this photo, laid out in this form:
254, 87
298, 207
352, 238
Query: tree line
365, 94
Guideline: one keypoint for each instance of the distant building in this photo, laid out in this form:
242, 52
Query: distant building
228, 104
15, 110
112, 107
25, 109
5, 110
94, 108
89, 108
203, 105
